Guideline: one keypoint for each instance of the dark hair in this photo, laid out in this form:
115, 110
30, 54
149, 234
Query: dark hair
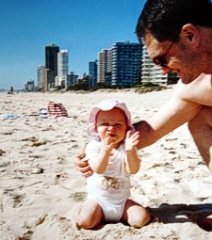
165, 18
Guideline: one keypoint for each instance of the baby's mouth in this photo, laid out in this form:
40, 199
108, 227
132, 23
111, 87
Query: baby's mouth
112, 135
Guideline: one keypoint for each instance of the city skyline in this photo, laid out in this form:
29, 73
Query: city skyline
83, 28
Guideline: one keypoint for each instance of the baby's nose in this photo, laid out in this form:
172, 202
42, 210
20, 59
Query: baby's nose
111, 126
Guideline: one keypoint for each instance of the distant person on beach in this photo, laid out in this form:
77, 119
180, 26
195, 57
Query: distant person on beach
178, 36
11, 90
112, 156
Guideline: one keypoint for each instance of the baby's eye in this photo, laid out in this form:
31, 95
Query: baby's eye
104, 124
118, 125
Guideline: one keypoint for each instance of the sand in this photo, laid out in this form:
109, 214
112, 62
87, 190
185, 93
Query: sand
40, 186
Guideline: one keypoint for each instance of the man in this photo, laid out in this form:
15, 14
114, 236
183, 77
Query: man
178, 36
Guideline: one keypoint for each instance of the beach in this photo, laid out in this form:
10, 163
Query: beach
40, 186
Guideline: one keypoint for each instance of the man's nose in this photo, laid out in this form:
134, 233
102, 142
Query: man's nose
165, 70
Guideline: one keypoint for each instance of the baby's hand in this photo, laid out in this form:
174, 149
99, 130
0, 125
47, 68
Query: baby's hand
131, 140
108, 145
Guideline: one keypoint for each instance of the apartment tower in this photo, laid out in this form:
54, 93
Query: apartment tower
104, 67
126, 64
62, 69
51, 63
92, 72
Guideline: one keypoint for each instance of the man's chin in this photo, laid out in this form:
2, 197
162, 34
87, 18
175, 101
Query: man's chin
188, 79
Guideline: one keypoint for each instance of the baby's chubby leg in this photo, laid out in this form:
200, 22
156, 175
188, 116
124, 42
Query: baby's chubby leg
90, 215
135, 215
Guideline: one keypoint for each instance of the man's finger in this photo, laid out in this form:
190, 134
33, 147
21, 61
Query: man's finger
87, 174
81, 154
85, 171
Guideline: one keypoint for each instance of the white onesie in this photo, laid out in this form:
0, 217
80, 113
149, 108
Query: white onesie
112, 188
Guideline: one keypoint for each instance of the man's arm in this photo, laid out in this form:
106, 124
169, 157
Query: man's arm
172, 115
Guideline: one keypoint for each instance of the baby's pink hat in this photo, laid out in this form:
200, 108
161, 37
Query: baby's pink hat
106, 105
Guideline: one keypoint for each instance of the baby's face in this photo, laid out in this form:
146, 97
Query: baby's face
111, 125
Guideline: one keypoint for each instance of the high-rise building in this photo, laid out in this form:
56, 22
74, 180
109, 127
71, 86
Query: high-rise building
42, 83
72, 80
30, 86
51, 63
151, 72
126, 64
62, 69
104, 65
121, 65
92, 72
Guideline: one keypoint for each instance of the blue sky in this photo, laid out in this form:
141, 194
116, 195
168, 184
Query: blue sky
84, 27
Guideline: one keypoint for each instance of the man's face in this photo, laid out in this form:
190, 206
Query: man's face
173, 57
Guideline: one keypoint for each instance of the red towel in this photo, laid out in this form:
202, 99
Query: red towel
57, 109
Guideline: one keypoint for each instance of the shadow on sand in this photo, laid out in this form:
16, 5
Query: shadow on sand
180, 213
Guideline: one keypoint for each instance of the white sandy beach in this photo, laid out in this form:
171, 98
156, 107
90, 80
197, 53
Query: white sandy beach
40, 186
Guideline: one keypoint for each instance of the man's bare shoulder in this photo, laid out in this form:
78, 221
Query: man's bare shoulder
199, 91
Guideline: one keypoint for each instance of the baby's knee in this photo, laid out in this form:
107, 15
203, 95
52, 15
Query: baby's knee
85, 223
89, 221
141, 219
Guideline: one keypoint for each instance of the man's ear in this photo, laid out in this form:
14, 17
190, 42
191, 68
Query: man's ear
190, 34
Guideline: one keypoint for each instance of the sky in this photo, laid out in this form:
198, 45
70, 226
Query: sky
83, 27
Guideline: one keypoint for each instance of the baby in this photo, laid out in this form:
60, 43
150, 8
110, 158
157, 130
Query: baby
113, 157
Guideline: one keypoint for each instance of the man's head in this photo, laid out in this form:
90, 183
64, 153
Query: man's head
178, 34
164, 18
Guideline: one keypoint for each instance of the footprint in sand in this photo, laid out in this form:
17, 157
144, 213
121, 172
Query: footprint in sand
39, 143
78, 196
35, 141
37, 170
17, 199
2, 152
4, 164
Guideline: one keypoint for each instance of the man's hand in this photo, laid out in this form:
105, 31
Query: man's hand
82, 164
